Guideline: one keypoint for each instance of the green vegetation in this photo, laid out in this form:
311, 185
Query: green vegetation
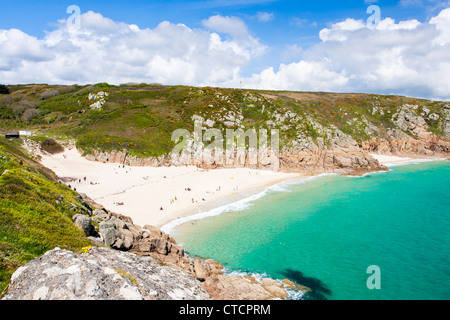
141, 118
4, 89
51, 146
35, 212
126, 275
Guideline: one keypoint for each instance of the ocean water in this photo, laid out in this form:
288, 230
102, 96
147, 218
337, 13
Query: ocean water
325, 232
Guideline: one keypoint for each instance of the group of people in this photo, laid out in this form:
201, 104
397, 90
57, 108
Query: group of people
122, 166
173, 200
219, 188
79, 181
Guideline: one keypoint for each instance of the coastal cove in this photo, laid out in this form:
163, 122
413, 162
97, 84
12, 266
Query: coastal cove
273, 225
326, 232
227, 155
140, 192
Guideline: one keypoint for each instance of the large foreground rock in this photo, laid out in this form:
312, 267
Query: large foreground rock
101, 274
120, 233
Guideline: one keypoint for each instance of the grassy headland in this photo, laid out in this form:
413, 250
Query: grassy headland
141, 117
35, 211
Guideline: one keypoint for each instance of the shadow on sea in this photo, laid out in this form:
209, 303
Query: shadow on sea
319, 291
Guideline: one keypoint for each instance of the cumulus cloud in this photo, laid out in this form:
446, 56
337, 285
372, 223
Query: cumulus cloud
238, 30
442, 23
264, 16
408, 58
103, 50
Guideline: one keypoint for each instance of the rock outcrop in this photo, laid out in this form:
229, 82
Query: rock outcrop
339, 154
101, 274
311, 147
411, 137
342, 155
222, 287
132, 262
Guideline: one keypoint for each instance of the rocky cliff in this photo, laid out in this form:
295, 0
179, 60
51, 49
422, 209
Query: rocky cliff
310, 145
319, 132
100, 274
127, 261
411, 135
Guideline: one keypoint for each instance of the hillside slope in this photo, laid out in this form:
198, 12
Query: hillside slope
319, 132
58, 244
35, 212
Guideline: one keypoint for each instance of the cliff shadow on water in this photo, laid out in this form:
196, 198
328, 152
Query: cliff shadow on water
319, 290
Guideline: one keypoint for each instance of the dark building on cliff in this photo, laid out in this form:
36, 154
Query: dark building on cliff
12, 136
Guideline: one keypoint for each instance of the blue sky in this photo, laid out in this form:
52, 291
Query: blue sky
277, 34
291, 19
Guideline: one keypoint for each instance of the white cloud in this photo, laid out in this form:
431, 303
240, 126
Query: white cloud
340, 30
307, 75
408, 58
264, 16
442, 23
238, 30
230, 25
107, 51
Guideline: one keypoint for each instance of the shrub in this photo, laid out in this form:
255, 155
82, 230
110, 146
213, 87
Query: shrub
51, 146
30, 114
20, 106
49, 94
4, 89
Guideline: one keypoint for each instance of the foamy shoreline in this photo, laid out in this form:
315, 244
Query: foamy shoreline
140, 192
185, 193
391, 161
232, 204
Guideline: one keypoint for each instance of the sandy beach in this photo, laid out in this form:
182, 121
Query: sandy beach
159, 195
390, 161
141, 192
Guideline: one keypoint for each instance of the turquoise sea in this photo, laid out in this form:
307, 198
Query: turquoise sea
325, 232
